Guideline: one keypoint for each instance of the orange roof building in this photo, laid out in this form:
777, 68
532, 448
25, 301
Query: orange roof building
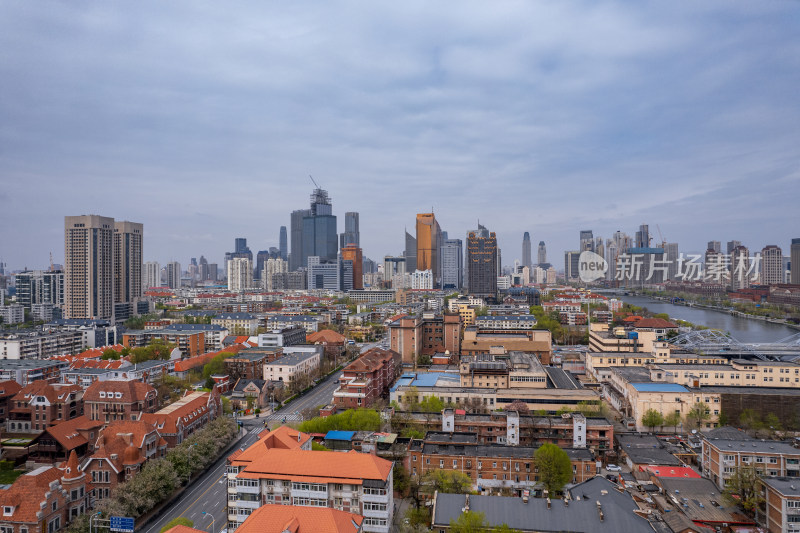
298, 519
119, 400
45, 499
40, 404
57, 442
353, 482
178, 420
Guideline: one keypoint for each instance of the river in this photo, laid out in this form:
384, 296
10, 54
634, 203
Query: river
742, 329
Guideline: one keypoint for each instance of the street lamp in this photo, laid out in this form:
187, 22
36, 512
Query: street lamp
212, 520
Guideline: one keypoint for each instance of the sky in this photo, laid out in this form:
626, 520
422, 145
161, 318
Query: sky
203, 120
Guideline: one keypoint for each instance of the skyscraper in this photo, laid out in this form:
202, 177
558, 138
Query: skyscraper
282, 244
794, 257
240, 245
772, 265
586, 241
351, 234
527, 260
732, 245
541, 255
410, 253
261, 257
482, 258
271, 267
88, 266
452, 256
296, 259
571, 261
319, 229
174, 275
352, 253
714, 245
203, 268
429, 236
740, 268
671, 257
152, 274
643, 236
240, 274
127, 261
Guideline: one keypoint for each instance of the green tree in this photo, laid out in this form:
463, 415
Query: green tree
177, 521
350, 420
317, 447
469, 522
742, 488
555, 468
431, 404
110, 353
750, 420
773, 425
423, 360
673, 420
449, 481
652, 419
698, 414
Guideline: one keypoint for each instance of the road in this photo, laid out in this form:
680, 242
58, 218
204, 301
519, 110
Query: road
208, 494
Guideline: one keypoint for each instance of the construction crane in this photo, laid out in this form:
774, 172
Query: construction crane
663, 241
314, 182
51, 262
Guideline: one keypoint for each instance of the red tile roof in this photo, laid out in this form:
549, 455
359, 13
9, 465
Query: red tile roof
654, 323
298, 464
185, 410
272, 518
9, 388
68, 433
54, 392
184, 365
370, 360
326, 336
282, 437
27, 493
132, 391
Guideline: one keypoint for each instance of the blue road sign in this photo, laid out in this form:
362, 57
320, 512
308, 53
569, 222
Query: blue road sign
123, 524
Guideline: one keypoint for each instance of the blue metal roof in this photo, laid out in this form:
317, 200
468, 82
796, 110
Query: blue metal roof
340, 435
659, 387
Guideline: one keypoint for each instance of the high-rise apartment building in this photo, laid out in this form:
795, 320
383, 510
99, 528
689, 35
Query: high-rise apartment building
612, 253
740, 268
586, 241
271, 267
151, 275
671, 257
296, 259
261, 258
88, 266
40, 287
482, 258
527, 260
714, 245
794, 258
541, 255
213, 272
240, 274
173, 275
331, 275
351, 233
452, 256
127, 261
571, 261
772, 265
429, 238
319, 229
283, 244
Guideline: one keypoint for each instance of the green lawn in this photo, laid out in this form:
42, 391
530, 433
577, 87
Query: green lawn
9, 476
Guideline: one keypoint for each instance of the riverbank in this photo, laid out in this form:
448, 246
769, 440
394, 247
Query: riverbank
719, 308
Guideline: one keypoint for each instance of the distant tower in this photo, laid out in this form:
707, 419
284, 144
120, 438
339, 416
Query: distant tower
483, 259
174, 275
89, 267
526, 250
410, 253
452, 257
319, 229
429, 239
542, 254
283, 244
643, 236
771, 265
794, 257
296, 260
351, 234
587, 241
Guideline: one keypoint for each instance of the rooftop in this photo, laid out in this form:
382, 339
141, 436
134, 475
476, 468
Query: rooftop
788, 486
582, 514
659, 387
753, 445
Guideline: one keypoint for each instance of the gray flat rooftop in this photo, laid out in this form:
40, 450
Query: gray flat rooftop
753, 445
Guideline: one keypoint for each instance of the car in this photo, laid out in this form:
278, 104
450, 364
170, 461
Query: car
613, 468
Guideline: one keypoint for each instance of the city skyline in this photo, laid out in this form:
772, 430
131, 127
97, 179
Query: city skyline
665, 115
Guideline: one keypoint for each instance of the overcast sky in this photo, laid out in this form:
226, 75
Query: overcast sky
203, 120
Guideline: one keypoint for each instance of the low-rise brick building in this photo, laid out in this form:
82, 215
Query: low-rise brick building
492, 468
108, 401
367, 378
40, 404
177, 421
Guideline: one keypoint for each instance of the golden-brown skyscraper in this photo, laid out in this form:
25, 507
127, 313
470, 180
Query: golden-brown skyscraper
429, 236
88, 267
351, 252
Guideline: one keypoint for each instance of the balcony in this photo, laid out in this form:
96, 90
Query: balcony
245, 504
248, 490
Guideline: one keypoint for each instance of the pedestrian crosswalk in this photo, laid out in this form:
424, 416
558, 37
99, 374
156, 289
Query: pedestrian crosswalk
282, 417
